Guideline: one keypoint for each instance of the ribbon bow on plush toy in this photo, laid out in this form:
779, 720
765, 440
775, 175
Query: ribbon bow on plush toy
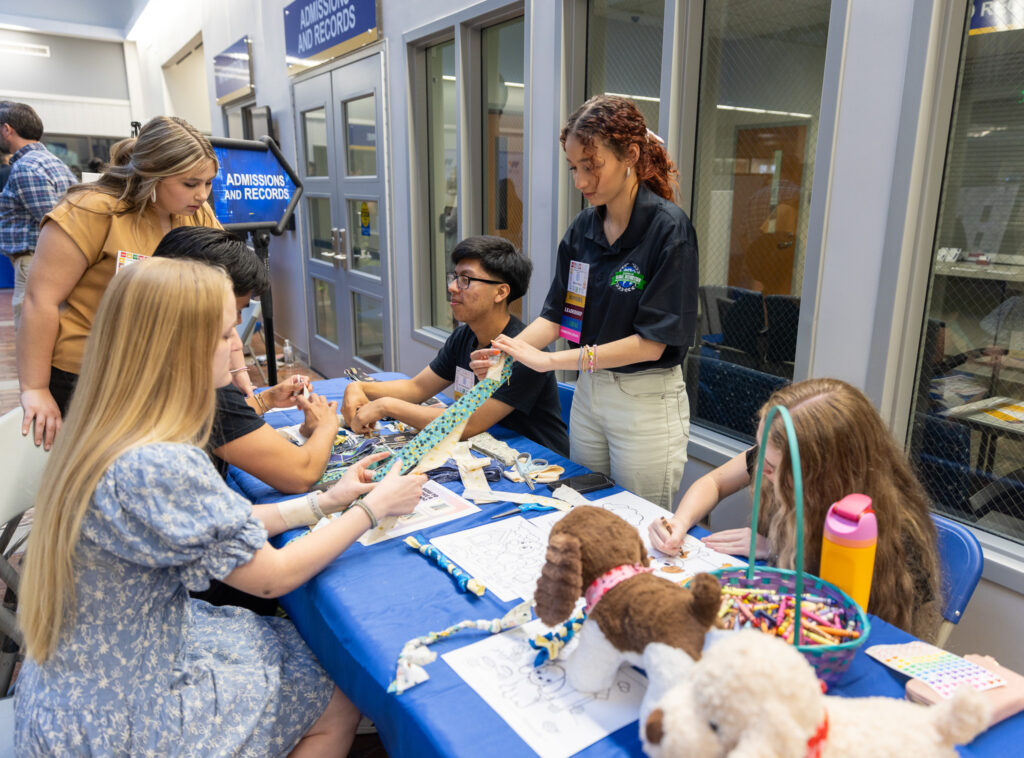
632, 615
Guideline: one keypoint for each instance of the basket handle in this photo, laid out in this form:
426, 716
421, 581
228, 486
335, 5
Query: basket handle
798, 497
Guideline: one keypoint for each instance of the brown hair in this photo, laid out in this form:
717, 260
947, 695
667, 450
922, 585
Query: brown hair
845, 448
166, 146
618, 124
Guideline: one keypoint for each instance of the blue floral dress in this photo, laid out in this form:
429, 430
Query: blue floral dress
145, 670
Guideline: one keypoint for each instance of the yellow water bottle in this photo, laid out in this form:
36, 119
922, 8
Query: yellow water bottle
848, 547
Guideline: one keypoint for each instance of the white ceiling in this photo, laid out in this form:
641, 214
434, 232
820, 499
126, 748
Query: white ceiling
87, 18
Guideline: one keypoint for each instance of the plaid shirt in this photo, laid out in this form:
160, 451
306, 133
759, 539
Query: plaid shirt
37, 182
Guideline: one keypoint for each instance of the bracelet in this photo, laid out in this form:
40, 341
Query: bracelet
362, 504
259, 401
314, 505
579, 361
238, 370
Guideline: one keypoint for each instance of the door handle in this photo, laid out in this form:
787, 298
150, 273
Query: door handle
340, 253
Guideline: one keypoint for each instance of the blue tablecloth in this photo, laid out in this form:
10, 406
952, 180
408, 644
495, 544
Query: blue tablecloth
360, 610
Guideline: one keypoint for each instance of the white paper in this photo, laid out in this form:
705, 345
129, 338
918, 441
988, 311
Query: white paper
552, 718
696, 556
437, 505
506, 556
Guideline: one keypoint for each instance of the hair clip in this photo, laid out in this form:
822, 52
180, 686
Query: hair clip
652, 135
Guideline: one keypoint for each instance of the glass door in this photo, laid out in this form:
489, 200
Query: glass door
339, 127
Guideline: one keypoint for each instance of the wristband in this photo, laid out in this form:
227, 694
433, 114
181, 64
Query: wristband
362, 504
298, 512
314, 504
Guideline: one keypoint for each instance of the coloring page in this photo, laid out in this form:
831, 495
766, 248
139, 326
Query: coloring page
437, 505
538, 703
506, 556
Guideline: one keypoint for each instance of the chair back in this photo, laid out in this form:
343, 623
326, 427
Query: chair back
565, 395
961, 562
23, 464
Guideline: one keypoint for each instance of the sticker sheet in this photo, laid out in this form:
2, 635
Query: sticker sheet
939, 669
437, 505
552, 718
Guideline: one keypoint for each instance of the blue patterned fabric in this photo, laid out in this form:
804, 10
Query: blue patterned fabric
144, 669
37, 182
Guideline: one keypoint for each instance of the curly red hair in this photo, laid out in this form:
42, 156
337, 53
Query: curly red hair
618, 124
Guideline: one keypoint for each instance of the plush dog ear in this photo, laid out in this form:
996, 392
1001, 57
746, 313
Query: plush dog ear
707, 598
645, 560
561, 581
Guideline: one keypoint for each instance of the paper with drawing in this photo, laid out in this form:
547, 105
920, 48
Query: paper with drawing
437, 505
550, 716
507, 556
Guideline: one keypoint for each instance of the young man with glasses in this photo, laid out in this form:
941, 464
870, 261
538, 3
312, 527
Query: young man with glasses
489, 275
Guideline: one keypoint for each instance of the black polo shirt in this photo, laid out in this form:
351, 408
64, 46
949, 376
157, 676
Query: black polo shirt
645, 283
536, 412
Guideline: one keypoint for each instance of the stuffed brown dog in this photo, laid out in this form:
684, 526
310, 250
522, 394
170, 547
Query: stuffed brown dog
632, 615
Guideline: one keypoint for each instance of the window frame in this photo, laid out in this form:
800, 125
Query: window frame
465, 28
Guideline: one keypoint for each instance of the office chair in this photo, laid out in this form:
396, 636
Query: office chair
565, 395
961, 561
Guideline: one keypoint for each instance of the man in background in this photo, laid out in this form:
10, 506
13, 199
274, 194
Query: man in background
37, 181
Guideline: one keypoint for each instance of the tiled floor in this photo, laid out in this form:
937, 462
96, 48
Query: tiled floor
366, 746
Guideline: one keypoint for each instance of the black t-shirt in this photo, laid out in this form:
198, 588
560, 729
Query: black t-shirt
232, 419
645, 283
536, 412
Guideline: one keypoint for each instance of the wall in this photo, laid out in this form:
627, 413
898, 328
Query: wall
81, 88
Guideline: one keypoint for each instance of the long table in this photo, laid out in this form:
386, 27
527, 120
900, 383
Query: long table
358, 613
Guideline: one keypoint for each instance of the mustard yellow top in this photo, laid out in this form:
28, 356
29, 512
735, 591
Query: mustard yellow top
100, 234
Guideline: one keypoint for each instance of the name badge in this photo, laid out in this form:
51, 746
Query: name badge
464, 381
575, 301
125, 258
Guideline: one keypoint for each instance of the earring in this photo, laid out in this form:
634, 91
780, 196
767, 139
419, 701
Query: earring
152, 196
627, 171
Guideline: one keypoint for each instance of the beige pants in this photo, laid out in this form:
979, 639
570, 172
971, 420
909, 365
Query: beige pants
633, 427
21, 264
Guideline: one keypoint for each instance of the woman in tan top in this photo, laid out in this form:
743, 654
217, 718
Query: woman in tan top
155, 182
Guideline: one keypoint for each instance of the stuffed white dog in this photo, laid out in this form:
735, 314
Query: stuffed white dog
754, 696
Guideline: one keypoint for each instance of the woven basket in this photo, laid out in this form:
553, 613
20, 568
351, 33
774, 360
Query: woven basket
829, 661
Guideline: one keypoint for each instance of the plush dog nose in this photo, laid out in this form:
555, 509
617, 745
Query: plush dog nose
654, 728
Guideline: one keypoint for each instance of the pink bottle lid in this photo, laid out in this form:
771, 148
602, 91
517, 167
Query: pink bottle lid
851, 522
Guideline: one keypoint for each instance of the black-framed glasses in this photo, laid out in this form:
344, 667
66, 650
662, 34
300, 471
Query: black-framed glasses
465, 279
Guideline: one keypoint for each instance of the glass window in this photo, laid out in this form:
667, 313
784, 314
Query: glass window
81, 153
368, 323
757, 122
321, 244
503, 133
967, 428
325, 310
441, 176
624, 52
365, 236
361, 136
314, 127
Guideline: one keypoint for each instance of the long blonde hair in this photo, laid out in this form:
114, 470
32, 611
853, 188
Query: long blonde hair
166, 146
845, 447
147, 377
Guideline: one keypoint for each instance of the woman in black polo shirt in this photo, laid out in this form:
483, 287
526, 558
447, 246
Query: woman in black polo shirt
625, 297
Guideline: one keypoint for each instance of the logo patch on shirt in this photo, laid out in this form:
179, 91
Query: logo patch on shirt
628, 278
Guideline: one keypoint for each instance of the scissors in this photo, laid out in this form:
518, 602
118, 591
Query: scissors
526, 465
523, 508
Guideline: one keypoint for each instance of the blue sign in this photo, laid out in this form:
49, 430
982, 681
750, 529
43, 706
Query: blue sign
232, 73
318, 30
989, 16
251, 187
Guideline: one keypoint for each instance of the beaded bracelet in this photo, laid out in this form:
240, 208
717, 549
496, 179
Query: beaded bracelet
362, 504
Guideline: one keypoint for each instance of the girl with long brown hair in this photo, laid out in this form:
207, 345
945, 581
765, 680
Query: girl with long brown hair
844, 448
154, 182
625, 295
